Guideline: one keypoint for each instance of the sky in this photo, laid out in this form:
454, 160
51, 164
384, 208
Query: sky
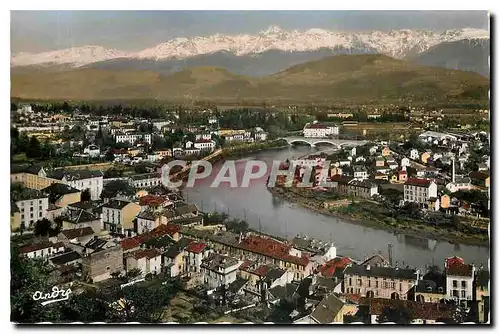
38, 31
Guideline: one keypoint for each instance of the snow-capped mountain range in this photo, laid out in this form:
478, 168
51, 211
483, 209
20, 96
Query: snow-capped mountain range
397, 44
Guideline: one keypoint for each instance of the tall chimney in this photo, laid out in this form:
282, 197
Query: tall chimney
453, 170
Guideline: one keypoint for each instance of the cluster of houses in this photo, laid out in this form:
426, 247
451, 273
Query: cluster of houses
428, 178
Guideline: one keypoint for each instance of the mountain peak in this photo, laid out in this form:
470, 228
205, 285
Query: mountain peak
272, 29
395, 43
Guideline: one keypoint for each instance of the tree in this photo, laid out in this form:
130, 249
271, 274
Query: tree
43, 227
281, 312
86, 196
33, 148
27, 277
398, 314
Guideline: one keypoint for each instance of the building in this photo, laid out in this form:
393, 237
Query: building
360, 173
218, 270
328, 311
118, 216
204, 144
79, 218
61, 195
132, 138
149, 220
146, 180
82, 180
318, 130
378, 282
419, 190
459, 279
414, 155
98, 266
43, 249
194, 253
93, 151
76, 235
148, 261
362, 189
33, 206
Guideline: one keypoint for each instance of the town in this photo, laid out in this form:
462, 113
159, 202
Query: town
91, 211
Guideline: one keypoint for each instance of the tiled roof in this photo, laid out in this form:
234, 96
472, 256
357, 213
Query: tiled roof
65, 258
148, 253
151, 200
329, 268
374, 271
116, 204
271, 248
39, 245
215, 261
196, 247
78, 232
327, 309
60, 189
129, 243
418, 182
455, 266
425, 311
478, 175
72, 175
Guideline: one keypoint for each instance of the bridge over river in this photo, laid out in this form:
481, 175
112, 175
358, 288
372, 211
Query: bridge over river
339, 143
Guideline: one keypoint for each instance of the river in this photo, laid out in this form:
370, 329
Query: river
275, 216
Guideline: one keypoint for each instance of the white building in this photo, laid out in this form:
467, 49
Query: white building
92, 150
318, 130
360, 173
459, 279
414, 155
132, 138
159, 123
32, 206
203, 136
194, 253
42, 249
145, 180
147, 261
419, 190
218, 270
405, 162
204, 144
82, 180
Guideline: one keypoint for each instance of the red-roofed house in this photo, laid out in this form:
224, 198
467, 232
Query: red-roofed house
419, 191
129, 244
147, 260
154, 201
331, 267
459, 279
281, 254
194, 253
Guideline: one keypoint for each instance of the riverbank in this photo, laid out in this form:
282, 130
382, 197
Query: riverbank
415, 229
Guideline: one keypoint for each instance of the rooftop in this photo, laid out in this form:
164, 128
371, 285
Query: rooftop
418, 182
65, 258
73, 175
374, 271
215, 261
78, 232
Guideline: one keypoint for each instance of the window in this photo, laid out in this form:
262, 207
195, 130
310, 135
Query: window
464, 284
350, 281
31, 215
22, 216
39, 201
39, 208
31, 209
376, 283
463, 293
360, 283
455, 283
369, 282
400, 287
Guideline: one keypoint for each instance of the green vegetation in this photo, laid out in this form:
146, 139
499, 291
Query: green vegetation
346, 78
141, 304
